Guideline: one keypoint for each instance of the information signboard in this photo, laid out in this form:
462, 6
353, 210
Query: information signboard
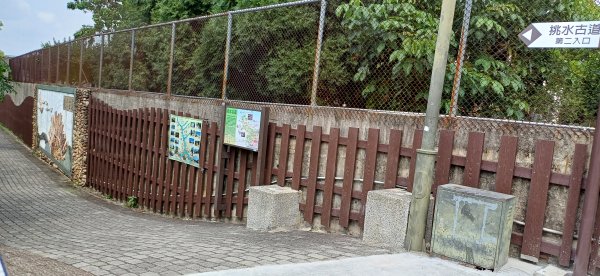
184, 139
242, 128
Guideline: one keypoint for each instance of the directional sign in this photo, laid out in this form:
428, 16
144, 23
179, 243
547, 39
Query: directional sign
585, 34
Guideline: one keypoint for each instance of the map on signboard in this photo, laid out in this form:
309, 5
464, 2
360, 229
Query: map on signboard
184, 140
242, 128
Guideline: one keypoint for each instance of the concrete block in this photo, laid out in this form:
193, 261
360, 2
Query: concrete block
386, 218
273, 208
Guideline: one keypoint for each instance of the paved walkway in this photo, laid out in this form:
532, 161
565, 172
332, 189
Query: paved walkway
41, 214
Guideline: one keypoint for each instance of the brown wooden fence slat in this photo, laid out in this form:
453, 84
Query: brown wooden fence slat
474, 155
369, 170
186, 186
192, 171
506, 164
239, 207
577, 171
160, 161
164, 172
283, 155
169, 178
313, 171
444, 159
536, 200
150, 159
178, 182
298, 154
120, 153
230, 182
417, 140
106, 149
200, 176
116, 129
131, 153
191, 189
142, 162
330, 170
90, 142
119, 161
393, 159
254, 171
138, 153
268, 175
101, 148
595, 261
147, 145
212, 149
111, 177
349, 168
94, 146
155, 157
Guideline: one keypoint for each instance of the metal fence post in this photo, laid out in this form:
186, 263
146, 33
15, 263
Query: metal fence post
171, 57
68, 80
132, 50
461, 57
315, 83
80, 61
101, 59
226, 63
57, 63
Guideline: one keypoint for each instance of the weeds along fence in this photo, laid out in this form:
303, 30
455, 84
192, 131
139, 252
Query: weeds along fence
375, 55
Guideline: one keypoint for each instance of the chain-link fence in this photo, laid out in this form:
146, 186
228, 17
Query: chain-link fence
359, 54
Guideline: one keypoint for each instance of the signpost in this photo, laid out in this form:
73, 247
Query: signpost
585, 34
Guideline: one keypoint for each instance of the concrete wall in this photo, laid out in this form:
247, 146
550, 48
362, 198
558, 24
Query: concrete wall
326, 117
22, 91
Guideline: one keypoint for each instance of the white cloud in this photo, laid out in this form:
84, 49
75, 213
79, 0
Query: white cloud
46, 17
23, 5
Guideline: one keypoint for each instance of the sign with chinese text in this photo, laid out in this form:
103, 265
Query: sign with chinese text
585, 34
242, 128
184, 140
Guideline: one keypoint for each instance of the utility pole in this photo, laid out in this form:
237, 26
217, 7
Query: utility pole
417, 219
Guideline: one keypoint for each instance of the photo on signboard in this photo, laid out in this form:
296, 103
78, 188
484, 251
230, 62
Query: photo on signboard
187, 136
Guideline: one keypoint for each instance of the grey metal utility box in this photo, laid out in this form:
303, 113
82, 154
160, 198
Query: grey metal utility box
472, 225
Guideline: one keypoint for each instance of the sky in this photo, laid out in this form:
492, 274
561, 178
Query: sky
29, 23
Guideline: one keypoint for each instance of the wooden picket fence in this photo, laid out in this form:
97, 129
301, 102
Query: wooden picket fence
18, 118
505, 169
128, 157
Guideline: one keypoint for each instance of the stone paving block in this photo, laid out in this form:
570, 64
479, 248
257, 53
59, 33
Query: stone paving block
42, 214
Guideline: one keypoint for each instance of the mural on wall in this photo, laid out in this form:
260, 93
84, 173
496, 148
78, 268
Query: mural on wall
55, 125
184, 139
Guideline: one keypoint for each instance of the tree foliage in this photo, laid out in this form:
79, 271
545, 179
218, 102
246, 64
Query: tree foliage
5, 85
375, 55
